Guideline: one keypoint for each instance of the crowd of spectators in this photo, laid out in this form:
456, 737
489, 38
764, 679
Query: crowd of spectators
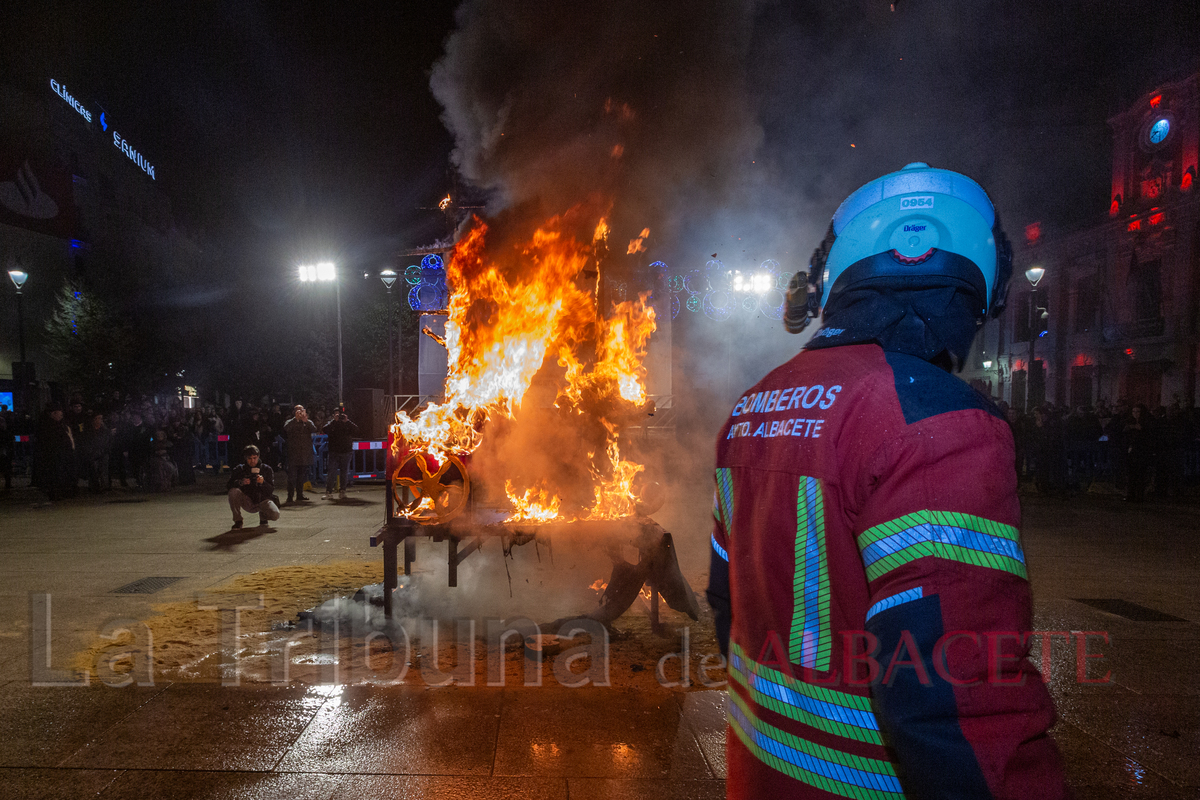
138, 442
1125, 447
154, 446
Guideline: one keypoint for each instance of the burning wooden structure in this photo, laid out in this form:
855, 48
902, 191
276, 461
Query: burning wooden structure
526, 306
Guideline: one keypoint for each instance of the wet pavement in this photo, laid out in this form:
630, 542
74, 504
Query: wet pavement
1137, 735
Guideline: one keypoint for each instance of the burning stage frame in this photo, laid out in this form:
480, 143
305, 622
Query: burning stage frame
656, 569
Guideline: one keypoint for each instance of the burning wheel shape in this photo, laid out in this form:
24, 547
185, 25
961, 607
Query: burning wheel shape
438, 494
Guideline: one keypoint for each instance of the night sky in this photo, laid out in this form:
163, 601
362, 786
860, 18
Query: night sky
288, 131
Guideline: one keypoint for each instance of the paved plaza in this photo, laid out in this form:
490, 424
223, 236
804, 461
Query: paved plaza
1135, 736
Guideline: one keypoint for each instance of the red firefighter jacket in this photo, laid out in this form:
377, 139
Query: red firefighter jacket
866, 506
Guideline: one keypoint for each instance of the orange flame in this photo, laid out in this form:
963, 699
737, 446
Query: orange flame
635, 245
614, 494
507, 312
538, 504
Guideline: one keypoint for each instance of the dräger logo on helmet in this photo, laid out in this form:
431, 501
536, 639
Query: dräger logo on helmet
925, 201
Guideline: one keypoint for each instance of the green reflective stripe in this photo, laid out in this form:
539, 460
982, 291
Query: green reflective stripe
964, 538
963, 555
810, 643
949, 518
851, 709
869, 778
822, 693
724, 498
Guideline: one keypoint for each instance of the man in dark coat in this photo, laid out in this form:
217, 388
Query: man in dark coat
96, 445
298, 432
251, 488
341, 432
138, 446
55, 455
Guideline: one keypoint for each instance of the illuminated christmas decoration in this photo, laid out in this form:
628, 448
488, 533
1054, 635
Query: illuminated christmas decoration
718, 305
429, 292
720, 292
772, 304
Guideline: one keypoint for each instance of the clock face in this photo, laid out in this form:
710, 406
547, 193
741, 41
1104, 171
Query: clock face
1159, 130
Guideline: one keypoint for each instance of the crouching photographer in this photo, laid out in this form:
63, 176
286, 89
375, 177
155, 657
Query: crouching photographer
252, 488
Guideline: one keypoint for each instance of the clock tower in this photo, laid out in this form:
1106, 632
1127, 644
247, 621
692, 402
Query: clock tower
1116, 318
1155, 146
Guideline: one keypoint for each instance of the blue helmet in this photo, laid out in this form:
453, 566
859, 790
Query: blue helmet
914, 228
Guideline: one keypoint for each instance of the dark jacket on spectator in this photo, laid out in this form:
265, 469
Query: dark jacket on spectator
299, 442
255, 491
341, 435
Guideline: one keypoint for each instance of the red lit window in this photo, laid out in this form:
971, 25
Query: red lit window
1115, 208
1186, 183
1154, 101
1156, 219
1128, 351
1136, 225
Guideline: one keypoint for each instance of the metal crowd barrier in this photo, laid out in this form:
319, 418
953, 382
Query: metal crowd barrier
213, 452
368, 460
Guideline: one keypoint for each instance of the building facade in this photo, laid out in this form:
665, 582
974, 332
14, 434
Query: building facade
1115, 315
78, 203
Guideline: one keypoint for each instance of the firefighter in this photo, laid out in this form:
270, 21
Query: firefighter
867, 576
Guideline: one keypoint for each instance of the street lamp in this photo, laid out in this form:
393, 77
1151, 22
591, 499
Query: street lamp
388, 276
1034, 275
20, 377
18, 277
326, 271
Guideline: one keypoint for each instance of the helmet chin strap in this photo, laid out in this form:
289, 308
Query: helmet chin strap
936, 324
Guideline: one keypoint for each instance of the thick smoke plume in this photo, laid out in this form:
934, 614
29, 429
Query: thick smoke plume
640, 110
642, 103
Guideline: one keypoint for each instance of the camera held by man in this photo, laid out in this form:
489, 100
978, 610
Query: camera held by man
251, 488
